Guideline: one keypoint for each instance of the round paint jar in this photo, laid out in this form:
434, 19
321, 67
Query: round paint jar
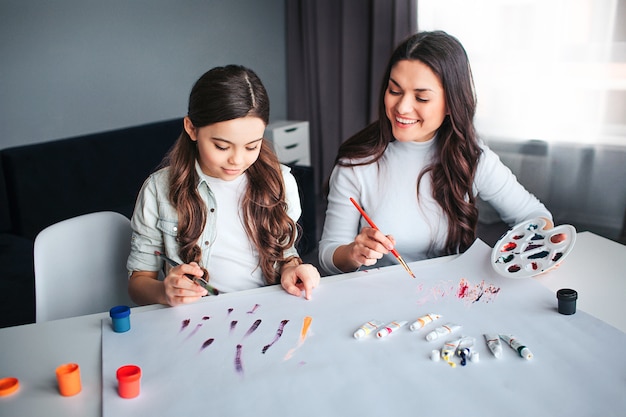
567, 300
120, 316
128, 379
68, 378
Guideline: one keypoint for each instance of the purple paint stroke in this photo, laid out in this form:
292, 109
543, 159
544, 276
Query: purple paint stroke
279, 333
194, 330
233, 324
230, 310
206, 317
252, 328
184, 324
238, 363
254, 308
206, 344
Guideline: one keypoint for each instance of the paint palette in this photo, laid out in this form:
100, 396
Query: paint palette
527, 249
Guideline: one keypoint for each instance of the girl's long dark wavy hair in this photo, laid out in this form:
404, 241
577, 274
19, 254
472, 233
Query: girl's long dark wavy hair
454, 166
221, 94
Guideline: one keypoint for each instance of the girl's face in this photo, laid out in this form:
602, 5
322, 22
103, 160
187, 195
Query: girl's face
415, 103
227, 149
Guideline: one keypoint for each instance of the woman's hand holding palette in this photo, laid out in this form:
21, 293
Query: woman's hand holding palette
527, 249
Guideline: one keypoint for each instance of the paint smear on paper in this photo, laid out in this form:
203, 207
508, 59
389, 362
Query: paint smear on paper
464, 291
230, 310
184, 324
238, 363
233, 324
206, 318
279, 333
206, 344
194, 330
254, 308
252, 328
305, 329
479, 292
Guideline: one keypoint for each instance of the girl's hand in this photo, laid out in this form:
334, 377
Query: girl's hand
297, 278
180, 289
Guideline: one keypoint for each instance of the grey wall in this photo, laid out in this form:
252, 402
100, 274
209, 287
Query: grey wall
70, 67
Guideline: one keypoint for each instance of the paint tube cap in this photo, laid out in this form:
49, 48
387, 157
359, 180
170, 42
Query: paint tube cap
566, 300
435, 355
475, 357
8, 386
359, 333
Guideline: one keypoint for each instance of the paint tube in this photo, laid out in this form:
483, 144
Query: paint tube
494, 345
464, 350
515, 344
442, 331
367, 328
389, 328
449, 348
423, 321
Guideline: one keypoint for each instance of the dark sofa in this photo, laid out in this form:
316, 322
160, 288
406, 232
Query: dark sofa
44, 183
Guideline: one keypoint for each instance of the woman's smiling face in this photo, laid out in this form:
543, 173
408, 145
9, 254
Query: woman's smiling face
415, 102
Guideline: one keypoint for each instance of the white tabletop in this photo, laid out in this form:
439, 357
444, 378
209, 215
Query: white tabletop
32, 352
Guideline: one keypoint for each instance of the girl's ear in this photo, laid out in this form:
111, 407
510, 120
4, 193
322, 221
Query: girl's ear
190, 128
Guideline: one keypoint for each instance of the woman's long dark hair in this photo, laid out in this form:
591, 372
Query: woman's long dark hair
454, 167
221, 94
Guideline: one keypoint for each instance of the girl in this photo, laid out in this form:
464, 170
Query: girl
222, 206
418, 170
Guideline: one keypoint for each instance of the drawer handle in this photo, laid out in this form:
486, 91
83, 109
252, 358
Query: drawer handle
291, 146
291, 129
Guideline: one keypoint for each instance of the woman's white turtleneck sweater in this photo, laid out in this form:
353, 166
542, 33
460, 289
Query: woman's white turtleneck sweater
387, 191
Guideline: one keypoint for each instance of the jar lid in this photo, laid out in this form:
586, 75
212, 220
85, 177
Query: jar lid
566, 294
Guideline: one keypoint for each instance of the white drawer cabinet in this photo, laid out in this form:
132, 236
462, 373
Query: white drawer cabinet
291, 141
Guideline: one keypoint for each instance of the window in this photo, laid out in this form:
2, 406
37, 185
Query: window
553, 70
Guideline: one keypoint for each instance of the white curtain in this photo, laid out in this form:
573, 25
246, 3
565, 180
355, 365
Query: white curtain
550, 78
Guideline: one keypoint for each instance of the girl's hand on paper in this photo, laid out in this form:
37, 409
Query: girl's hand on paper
180, 289
297, 278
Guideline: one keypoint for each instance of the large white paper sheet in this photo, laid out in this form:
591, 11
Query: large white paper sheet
578, 368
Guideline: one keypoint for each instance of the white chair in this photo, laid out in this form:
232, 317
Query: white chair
80, 266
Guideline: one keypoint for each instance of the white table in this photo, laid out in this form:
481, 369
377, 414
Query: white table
32, 352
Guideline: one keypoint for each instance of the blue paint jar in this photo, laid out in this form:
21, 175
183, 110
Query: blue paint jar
120, 316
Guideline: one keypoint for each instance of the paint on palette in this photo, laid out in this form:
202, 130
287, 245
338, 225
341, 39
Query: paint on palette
254, 308
252, 328
238, 363
279, 333
539, 255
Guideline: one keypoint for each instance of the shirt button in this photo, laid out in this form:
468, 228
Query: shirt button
174, 228
206, 243
212, 209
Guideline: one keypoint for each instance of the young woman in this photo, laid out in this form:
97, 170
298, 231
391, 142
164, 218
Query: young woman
418, 169
222, 207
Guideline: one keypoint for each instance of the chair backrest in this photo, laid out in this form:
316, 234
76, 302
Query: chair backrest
80, 266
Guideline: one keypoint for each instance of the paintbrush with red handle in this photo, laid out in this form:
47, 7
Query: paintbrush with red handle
371, 223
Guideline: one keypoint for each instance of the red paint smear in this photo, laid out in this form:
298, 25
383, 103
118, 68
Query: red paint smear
514, 268
463, 289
